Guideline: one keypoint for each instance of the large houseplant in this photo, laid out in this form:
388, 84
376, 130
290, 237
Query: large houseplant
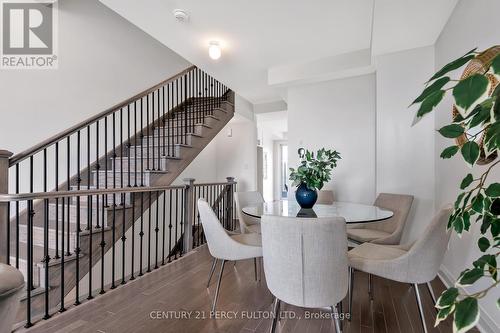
475, 127
312, 173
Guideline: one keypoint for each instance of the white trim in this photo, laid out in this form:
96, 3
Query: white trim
485, 324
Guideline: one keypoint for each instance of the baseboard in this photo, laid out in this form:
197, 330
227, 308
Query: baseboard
485, 324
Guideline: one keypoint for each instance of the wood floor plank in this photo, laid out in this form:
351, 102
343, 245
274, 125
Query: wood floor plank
180, 287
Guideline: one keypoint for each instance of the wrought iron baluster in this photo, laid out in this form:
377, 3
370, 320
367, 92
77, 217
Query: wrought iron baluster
170, 226
157, 228
163, 227
132, 252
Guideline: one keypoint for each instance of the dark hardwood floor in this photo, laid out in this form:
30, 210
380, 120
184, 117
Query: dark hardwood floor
148, 303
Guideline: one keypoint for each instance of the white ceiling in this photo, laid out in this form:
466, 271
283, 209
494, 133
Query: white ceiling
261, 34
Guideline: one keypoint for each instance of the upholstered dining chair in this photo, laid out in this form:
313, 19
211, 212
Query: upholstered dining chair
305, 262
325, 197
416, 263
386, 232
245, 199
223, 246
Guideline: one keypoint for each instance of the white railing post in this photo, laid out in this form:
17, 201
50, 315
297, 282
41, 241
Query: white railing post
4, 210
187, 241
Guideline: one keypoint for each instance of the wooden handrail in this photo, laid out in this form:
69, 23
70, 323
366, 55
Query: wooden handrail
44, 144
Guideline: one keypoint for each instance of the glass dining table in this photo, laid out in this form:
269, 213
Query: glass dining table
352, 212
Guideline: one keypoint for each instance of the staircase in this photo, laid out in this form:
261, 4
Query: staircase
141, 144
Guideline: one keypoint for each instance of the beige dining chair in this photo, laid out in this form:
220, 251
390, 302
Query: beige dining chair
223, 246
11, 287
246, 199
415, 263
389, 231
325, 197
305, 262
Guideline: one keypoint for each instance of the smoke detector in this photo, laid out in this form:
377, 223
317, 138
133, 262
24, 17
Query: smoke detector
181, 15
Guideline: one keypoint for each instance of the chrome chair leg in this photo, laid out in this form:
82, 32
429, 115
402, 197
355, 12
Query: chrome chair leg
431, 291
255, 267
214, 263
218, 285
276, 312
336, 319
420, 307
370, 286
351, 287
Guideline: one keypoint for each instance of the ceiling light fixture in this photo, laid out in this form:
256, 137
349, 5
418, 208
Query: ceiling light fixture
214, 50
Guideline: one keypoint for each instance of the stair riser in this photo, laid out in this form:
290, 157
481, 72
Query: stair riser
146, 179
210, 121
173, 131
38, 236
73, 213
135, 165
168, 140
175, 150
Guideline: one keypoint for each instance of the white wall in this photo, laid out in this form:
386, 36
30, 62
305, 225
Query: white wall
236, 156
472, 24
229, 156
338, 115
405, 155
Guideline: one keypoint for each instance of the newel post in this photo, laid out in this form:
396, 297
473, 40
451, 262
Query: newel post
4, 210
187, 241
229, 203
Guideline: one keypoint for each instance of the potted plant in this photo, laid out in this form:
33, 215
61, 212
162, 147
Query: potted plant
312, 173
475, 129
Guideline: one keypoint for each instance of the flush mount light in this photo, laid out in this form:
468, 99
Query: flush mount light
181, 15
214, 50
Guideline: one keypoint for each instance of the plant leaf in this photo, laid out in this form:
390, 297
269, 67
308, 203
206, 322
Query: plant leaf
466, 315
451, 131
470, 90
447, 298
493, 190
483, 243
477, 203
443, 314
454, 65
449, 152
430, 102
470, 152
466, 181
495, 65
437, 85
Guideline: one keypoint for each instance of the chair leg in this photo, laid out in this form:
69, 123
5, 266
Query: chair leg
420, 308
218, 285
336, 319
214, 263
260, 268
341, 314
431, 291
255, 267
370, 286
351, 288
276, 312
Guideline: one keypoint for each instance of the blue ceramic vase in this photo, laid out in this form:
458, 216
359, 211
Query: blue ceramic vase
305, 196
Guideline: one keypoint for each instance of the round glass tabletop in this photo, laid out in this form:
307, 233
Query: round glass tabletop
352, 212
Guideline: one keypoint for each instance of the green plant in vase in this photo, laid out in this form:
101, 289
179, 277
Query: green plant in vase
312, 173
475, 127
